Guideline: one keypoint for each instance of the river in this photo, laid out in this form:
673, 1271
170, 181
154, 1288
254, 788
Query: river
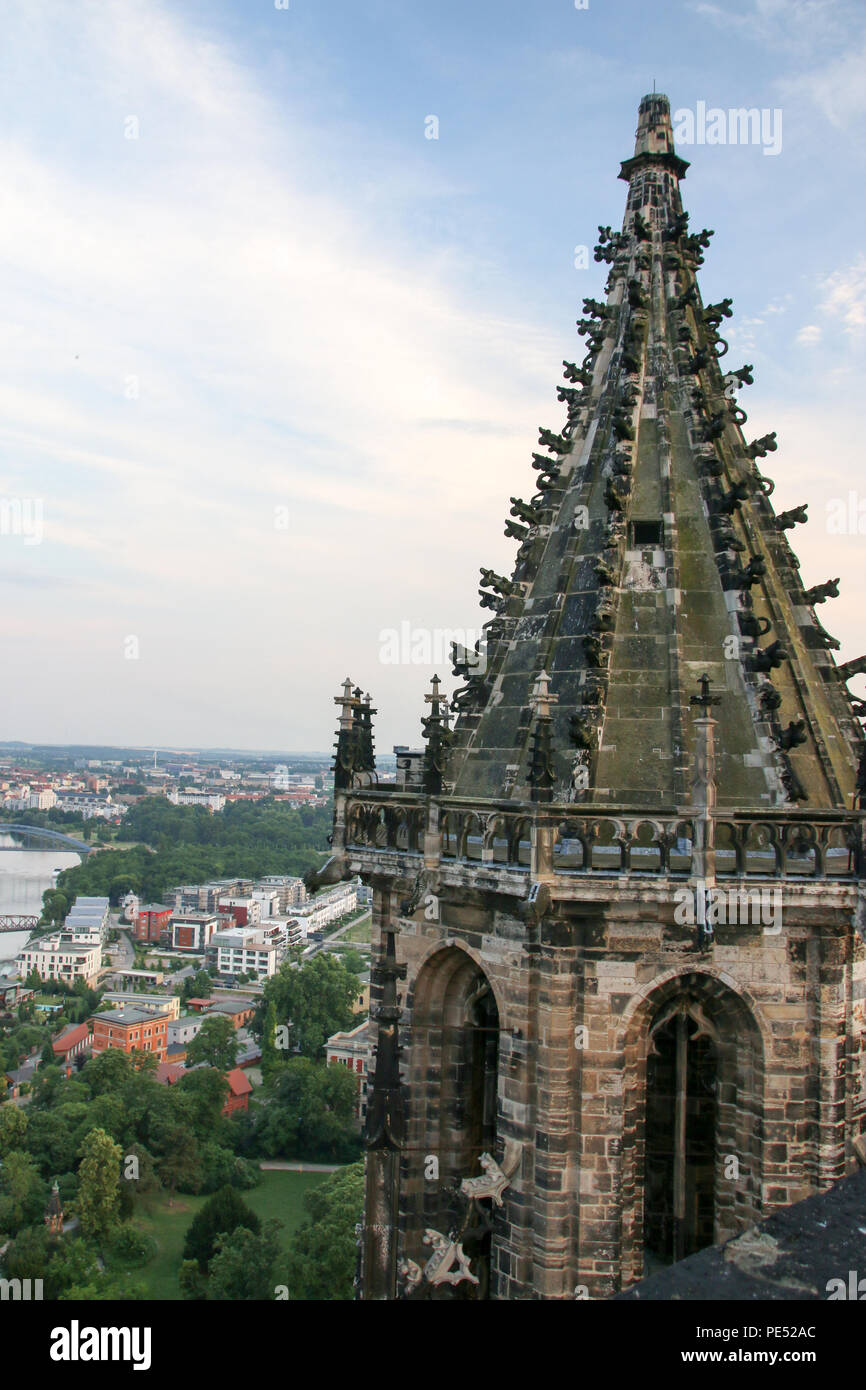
24, 877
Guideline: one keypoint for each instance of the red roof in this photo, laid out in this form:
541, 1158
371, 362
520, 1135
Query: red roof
78, 1033
168, 1072
239, 1083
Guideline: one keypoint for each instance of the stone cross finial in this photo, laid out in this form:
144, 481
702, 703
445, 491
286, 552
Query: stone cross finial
705, 699
347, 702
541, 698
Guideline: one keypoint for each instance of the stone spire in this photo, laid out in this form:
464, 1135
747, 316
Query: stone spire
649, 554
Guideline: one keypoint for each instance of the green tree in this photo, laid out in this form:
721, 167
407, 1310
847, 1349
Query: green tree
198, 986
47, 1057
215, 1043
13, 1129
98, 1198
23, 1194
313, 1002
309, 1112
107, 1072
221, 1214
322, 1252
179, 1162
27, 1255
242, 1267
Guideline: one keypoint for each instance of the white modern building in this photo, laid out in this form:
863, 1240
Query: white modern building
328, 906
244, 951
61, 957
214, 801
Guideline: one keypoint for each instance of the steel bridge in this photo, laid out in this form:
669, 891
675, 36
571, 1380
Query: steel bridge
32, 835
11, 922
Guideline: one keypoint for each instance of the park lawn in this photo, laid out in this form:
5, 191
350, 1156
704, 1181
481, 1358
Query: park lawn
280, 1194
359, 932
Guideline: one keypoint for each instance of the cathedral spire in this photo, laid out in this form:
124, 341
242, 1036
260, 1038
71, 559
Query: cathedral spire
651, 553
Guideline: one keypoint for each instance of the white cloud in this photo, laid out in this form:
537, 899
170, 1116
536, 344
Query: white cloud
845, 297
809, 335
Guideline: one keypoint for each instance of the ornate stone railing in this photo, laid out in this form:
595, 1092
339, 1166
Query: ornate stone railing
773, 843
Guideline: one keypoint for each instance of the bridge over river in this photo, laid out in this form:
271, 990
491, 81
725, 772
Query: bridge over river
10, 921
36, 837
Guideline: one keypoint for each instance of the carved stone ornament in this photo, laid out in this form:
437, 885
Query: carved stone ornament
492, 1183
439, 1269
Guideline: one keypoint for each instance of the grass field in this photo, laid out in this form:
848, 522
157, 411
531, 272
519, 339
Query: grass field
359, 932
280, 1194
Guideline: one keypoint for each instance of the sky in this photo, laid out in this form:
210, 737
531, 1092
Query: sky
273, 359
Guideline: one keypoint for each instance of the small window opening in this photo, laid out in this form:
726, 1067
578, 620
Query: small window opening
644, 533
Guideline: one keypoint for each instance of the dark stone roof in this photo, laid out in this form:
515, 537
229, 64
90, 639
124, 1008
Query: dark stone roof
792, 1255
673, 589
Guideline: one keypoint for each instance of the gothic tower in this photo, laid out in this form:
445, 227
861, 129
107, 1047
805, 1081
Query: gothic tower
619, 967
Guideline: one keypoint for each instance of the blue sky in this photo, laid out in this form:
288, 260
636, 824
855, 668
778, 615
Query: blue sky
274, 366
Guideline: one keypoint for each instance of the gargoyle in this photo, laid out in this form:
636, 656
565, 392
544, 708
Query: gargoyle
557, 442
769, 697
687, 297
334, 870
605, 575
515, 532
759, 448
605, 618
641, 229
745, 578
623, 428
726, 537
742, 374
715, 426
753, 626
768, 658
785, 521
570, 396
714, 313
497, 582
524, 512
465, 662
580, 731
595, 308
730, 502
595, 649
677, 228
819, 593
832, 643
615, 497
636, 296
857, 667
698, 361
793, 735
574, 373
545, 464
792, 784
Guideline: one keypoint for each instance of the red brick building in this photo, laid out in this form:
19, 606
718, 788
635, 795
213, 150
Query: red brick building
71, 1042
153, 922
240, 1088
130, 1030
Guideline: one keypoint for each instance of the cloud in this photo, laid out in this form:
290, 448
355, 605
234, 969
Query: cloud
845, 297
809, 335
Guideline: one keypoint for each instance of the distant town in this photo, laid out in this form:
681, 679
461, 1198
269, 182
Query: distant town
239, 986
